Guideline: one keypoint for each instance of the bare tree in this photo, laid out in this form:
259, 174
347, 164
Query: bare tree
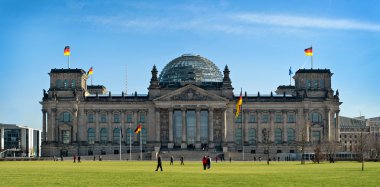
302, 143
330, 148
363, 145
267, 142
318, 156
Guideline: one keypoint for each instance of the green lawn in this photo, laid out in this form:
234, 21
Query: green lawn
136, 173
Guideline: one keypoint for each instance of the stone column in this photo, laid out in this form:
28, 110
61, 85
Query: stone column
75, 126
123, 127
271, 124
198, 128
327, 128
211, 127
171, 143
158, 125
43, 125
307, 123
97, 129
245, 123
259, 129
337, 127
285, 130
54, 130
184, 143
109, 126
224, 125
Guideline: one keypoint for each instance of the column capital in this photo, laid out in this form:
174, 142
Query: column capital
43, 110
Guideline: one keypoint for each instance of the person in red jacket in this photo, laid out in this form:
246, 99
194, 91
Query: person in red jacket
204, 161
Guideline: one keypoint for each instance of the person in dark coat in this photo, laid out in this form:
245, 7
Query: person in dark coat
208, 162
159, 163
182, 163
171, 160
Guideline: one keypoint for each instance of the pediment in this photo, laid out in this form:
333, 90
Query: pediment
190, 93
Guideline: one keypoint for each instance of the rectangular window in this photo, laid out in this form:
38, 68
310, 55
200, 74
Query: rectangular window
278, 118
142, 118
291, 118
308, 84
65, 137
238, 136
265, 118
116, 118
90, 118
321, 84
103, 118
129, 118
315, 84
252, 118
238, 119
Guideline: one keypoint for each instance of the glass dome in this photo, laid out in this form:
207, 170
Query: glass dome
190, 67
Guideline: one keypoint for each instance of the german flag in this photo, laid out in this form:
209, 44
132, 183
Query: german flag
89, 72
238, 104
138, 129
66, 51
309, 51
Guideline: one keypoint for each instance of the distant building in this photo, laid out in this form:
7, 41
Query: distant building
19, 141
191, 106
351, 130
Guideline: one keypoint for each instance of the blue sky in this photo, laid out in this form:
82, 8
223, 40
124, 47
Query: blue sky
258, 40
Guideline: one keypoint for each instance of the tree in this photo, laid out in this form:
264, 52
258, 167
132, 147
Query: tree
267, 143
363, 144
302, 143
330, 148
318, 153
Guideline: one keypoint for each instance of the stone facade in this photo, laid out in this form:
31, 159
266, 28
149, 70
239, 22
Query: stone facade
187, 114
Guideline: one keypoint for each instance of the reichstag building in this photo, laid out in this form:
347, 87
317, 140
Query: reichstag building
190, 105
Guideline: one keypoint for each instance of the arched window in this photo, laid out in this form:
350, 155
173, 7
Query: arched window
278, 136
91, 136
291, 136
58, 83
316, 117
65, 117
129, 135
252, 136
103, 135
116, 135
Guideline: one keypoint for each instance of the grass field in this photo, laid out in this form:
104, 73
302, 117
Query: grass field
115, 173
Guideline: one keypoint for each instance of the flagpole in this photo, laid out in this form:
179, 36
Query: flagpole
91, 79
130, 142
311, 61
68, 61
311, 57
140, 145
242, 125
121, 131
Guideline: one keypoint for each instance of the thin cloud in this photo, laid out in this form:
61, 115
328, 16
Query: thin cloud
305, 22
238, 23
